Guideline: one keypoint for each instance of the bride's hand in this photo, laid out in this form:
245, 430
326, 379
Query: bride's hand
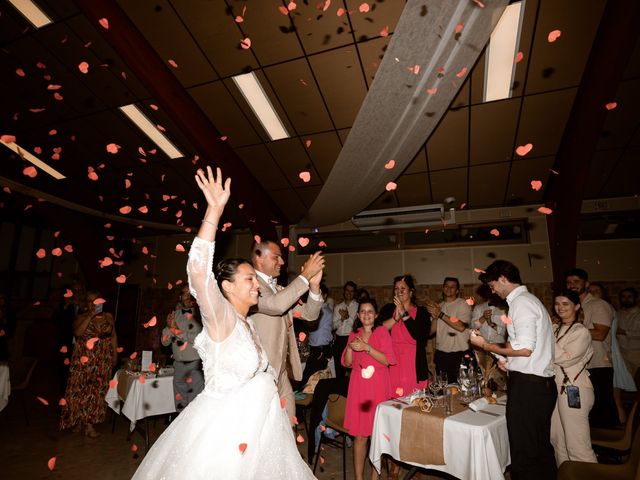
215, 193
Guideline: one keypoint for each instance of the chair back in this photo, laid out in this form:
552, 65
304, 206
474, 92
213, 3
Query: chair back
22, 382
337, 405
631, 426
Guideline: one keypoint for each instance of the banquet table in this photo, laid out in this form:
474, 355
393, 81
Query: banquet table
137, 401
5, 385
475, 444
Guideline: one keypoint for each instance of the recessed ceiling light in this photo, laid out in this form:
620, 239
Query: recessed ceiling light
253, 93
151, 131
501, 53
33, 159
31, 12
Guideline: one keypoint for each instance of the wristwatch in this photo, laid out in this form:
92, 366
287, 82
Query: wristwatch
441, 315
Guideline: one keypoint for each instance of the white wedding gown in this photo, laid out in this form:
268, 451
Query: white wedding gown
239, 406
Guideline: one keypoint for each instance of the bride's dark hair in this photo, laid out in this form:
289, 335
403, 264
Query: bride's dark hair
225, 270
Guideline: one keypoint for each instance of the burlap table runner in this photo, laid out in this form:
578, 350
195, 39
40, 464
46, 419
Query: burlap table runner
421, 434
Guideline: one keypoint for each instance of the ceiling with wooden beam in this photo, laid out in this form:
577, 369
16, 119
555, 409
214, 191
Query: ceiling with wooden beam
316, 66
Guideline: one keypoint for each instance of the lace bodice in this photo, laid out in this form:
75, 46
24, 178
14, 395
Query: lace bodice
231, 362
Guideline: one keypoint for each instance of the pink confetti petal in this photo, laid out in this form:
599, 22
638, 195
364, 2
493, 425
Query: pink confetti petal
390, 164
302, 336
51, 463
322, 243
91, 343
104, 23
245, 43
8, 139
536, 185
30, 172
327, 4
340, 12
54, 87
495, 232
239, 19
470, 301
522, 150
363, 8
307, 143
121, 278
172, 63
391, 186
611, 105
506, 320
385, 31
303, 241
292, 6
368, 372
432, 91
553, 36
305, 176
113, 148
99, 301
545, 210
400, 391
462, 72
143, 209
179, 248
20, 72
283, 10
125, 210
454, 319
56, 252
459, 28
284, 241
83, 67
519, 57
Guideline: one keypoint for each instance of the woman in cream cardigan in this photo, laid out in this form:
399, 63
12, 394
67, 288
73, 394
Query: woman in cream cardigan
570, 433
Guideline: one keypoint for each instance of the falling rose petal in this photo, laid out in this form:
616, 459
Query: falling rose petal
302, 336
243, 446
113, 383
495, 232
41, 253
459, 28
179, 248
68, 294
126, 209
84, 359
386, 437
478, 3
291, 6
368, 372
391, 186
127, 183
51, 463
121, 278
522, 150
257, 238
99, 301
432, 91
142, 379
239, 19
143, 209
20, 72
415, 69
104, 23
327, 4
133, 355
363, 8
454, 319
284, 241
307, 143
506, 320
91, 343
283, 10
53, 131
322, 243
56, 252
536, 185
300, 439
169, 286
462, 72
105, 262
283, 402
462, 205
54, 87
172, 63
385, 31
305, 176
390, 164
62, 402
43, 401
30, 172
545, 210
9, 139
64, 349
340, 12
183, 346
519, 57
400, 391
113, 148
303, 241
83, 67
470, 301
245, 43
553, 36
611, 105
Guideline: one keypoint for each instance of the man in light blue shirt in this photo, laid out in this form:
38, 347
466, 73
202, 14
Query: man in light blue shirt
319, 340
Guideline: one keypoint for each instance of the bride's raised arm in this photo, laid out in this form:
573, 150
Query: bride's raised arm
218, 316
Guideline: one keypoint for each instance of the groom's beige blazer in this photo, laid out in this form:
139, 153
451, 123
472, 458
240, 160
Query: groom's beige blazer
273, 318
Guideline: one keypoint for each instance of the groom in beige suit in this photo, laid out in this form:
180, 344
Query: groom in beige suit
277, 306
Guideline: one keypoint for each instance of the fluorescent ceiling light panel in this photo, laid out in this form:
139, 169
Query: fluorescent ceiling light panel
501, 53
31, 12
253, 93
34, 160
151, 131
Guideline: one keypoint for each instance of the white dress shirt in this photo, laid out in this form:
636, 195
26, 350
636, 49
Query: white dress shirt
530, 328
343, 327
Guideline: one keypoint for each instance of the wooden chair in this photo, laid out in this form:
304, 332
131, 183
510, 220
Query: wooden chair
20, 384
335, 420
301, 412
597, 471
617, 441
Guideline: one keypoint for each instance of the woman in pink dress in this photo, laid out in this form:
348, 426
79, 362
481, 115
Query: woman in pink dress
368, 353
409, 325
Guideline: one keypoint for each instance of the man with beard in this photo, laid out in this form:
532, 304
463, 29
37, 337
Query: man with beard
598, 317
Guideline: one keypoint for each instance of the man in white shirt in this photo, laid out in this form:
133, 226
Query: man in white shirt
598, 317
532, 391
344, 315
629, 328
451, 318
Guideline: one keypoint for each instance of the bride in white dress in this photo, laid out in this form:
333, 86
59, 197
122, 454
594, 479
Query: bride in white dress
236, 428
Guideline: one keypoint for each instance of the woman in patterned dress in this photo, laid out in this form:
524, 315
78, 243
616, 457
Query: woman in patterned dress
94, 355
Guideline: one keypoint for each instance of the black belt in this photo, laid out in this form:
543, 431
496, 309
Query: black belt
530, 377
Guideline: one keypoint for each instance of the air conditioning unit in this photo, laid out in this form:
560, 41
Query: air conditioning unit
409, 217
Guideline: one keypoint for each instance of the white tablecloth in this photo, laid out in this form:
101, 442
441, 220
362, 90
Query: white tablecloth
5, 386
154, 397
476, 445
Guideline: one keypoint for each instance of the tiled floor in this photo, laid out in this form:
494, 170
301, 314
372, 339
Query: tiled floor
25, 450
